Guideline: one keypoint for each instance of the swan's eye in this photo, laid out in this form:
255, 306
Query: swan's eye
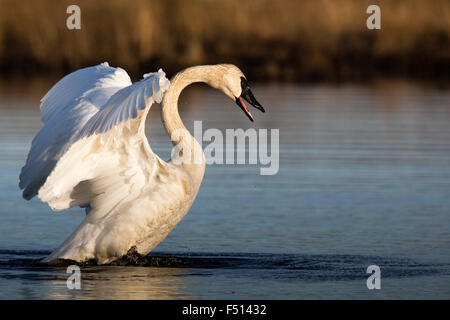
244, 85
247, 95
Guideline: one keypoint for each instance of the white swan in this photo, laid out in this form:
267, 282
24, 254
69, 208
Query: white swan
92, 152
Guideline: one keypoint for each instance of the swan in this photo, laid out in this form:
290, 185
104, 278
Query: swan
92, 152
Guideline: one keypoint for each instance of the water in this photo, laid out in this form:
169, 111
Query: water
364, 179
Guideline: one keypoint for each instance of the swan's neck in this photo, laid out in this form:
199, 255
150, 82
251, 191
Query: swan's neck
170, 115
181, 138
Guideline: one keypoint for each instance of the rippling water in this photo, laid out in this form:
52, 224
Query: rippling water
364, 179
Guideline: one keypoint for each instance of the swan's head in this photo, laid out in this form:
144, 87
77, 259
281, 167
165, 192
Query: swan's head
234, 84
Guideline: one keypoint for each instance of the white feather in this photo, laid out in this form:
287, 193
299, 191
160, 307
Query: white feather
92, 152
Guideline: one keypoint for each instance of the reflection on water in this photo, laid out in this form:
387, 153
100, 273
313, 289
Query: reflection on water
37, 281
185, 276
122, 283
364, 173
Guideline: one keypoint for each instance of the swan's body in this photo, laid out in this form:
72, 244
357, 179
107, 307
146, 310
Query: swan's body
92, 152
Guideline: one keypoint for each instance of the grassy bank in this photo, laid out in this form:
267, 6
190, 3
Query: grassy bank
289, 40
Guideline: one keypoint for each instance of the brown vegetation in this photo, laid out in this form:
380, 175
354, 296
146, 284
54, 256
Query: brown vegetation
271, 40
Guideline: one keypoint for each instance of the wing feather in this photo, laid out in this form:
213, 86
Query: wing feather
85, 142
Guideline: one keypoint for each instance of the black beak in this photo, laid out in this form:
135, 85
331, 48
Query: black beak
249, 97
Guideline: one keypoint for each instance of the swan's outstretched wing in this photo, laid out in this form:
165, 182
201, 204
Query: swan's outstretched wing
65, 109
93, 137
